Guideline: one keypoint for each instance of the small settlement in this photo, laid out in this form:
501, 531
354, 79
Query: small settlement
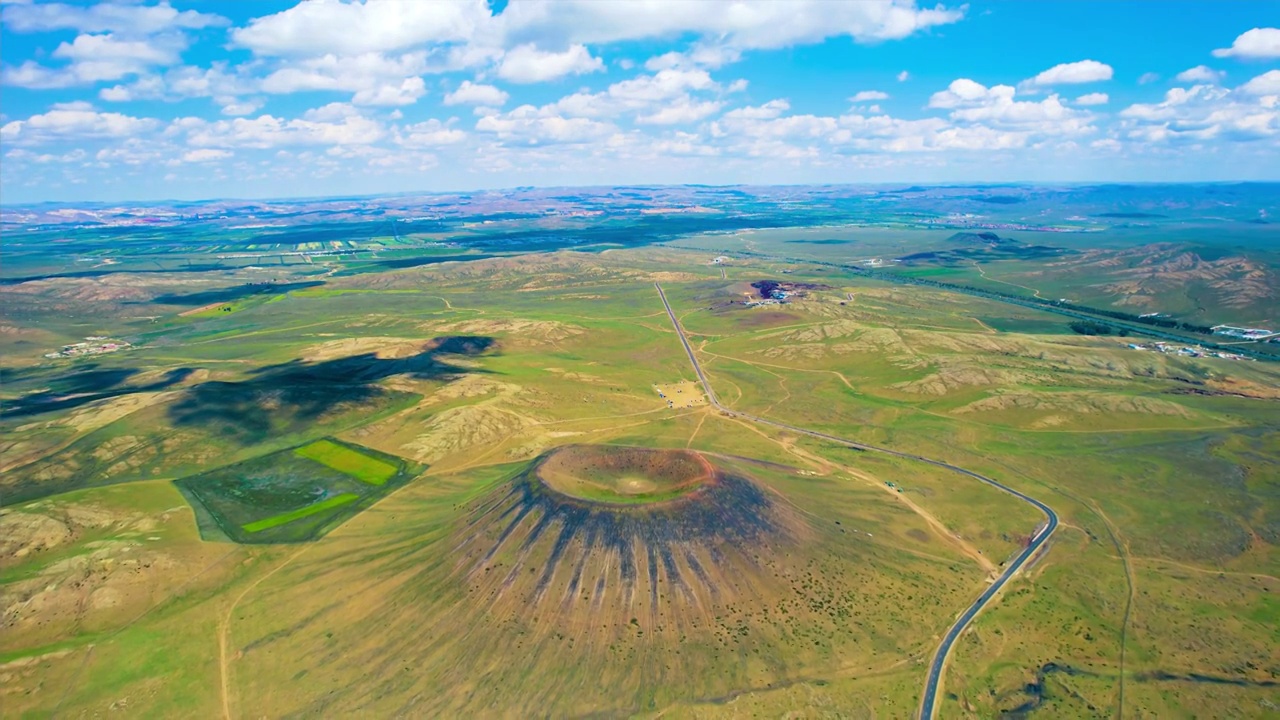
92, 345
1187, 351
1245, 333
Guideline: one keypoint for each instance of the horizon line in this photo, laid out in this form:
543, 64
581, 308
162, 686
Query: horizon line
517, 188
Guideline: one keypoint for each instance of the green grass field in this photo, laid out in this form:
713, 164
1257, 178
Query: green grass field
345, 460
289, 495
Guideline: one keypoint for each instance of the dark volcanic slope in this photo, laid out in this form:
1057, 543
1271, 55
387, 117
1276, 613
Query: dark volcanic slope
538, 546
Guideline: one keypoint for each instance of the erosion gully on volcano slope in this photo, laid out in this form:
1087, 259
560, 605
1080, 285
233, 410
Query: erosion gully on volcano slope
928, 702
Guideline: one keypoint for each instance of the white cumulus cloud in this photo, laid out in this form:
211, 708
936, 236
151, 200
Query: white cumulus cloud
685, 110
205, 155
431, 133
97, 58
767, 111
1268, 83
1084, 71
971, 102
73, 121
664, 98
530, 126
1255, 44
105, 17
334, 124
528, 64
1199, 74
1203, 113
469, 93
731, 23
319, 27
237, 108
405, 93
869, 96
1093, 99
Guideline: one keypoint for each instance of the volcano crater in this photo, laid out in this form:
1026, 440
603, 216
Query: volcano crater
625, 527
613, 475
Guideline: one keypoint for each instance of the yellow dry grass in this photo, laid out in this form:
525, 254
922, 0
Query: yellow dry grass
382, 347
539, 330
1087, 403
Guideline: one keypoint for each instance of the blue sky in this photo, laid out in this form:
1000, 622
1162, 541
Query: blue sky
202, 99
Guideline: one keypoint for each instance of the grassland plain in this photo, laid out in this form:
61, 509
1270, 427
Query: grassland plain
1112, 435
1162, 470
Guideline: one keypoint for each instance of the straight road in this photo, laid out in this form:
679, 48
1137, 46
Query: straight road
929, 702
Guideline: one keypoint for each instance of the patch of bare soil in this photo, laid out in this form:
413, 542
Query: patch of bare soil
1245, 388
108, 288
383, 347
529, 330
950, 378
681, 395
470, 386
817, 332
90, 567
577, 376
673, 277
1081, 403
1143, 273
808, 342
23, 533
466, 428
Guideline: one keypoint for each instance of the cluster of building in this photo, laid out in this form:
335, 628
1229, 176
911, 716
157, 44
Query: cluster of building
93, 345
1187, 351
1245, 333
777, 296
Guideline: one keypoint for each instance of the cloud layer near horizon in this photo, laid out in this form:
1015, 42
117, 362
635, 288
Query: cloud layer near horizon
555, 90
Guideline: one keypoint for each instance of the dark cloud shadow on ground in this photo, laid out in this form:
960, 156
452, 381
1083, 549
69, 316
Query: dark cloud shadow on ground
86, 386
208, 297
289, 396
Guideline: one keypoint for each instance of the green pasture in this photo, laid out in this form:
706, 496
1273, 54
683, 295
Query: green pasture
292, 495
345, 460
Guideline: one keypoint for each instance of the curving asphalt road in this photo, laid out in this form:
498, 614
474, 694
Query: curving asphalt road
928, 703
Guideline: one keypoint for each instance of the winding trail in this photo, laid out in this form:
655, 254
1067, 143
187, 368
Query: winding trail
978, 266
928, 704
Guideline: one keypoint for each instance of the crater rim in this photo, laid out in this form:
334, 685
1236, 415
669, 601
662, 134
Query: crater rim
624, 476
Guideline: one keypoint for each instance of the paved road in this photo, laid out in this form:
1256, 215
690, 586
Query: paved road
928, 703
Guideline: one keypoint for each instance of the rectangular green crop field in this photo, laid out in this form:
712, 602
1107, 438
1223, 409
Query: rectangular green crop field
349, 462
